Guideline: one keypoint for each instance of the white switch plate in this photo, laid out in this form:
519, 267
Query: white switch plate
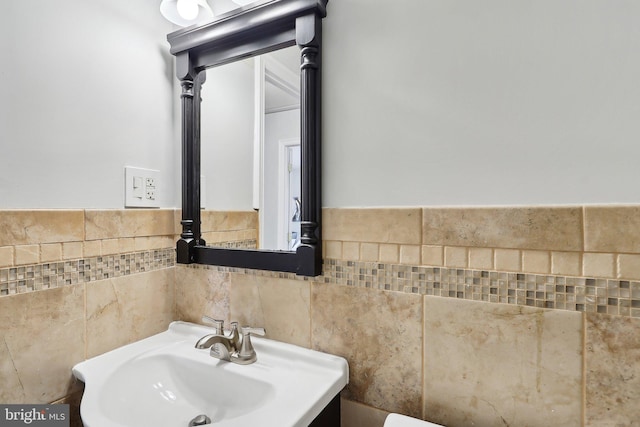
141, 188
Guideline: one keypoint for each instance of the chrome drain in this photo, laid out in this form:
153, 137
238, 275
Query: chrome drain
200, 420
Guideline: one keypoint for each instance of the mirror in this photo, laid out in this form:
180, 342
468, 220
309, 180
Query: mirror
250, 134
257, 29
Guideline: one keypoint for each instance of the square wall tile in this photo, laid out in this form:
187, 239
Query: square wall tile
72, 250
481, 258
566, 263
432, 255
599, 265
456, 257
380, 335
92, 248
50, 252
41, 339
127, 244
629, 266
110, 246
351, 251
281, 306
410, 254
128, 308
389, 253
547, 228
369, 252
6, 256
376, 225
27, 254
202, 291
536, 262
333, 249
508, 259
613, 371
497, 364
612, 229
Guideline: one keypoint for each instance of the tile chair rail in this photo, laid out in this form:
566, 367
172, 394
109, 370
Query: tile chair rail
47, 275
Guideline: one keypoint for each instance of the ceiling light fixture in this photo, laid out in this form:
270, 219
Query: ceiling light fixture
185, 12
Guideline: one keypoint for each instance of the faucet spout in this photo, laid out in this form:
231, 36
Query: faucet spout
212, 339
208, 340
220, 351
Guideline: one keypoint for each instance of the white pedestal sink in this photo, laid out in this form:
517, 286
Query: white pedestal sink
164, 381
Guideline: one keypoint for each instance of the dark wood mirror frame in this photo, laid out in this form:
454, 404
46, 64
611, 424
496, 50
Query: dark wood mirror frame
253, 30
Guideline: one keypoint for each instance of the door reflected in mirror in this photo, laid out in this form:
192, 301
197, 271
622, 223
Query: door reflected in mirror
250, 145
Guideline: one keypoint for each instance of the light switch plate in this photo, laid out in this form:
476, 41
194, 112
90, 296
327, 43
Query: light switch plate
141, 187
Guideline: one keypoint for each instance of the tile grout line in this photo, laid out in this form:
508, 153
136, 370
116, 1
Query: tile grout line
424, 348
584, 370
85, 321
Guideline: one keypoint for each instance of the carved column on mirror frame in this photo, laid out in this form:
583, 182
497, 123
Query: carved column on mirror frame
197, 169
187, 240
309, 75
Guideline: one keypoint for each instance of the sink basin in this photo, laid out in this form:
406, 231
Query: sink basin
176, 386
164, 380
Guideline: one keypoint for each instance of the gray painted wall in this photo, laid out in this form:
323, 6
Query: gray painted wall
425, 102
86, 88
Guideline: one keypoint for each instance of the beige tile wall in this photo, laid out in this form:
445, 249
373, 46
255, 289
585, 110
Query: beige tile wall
414, 354
494, 364
456, 361
453, 361
65, 313
45, 333
380, 334
39, 236
49, 327
593, 241
612, 365
43, 336
125, 309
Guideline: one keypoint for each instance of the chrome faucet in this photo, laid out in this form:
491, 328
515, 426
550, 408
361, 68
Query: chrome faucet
235, 347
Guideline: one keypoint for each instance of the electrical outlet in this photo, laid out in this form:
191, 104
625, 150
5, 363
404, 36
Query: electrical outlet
141, 187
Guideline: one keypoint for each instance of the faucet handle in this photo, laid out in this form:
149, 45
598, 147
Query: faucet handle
247, 353
234, 335
217, 324
247, 330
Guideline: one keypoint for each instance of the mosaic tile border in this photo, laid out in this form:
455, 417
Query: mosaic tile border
584, 294
36, 277
608, 296
237, 244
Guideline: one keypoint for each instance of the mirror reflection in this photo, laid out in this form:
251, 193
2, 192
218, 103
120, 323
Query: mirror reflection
250, 145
